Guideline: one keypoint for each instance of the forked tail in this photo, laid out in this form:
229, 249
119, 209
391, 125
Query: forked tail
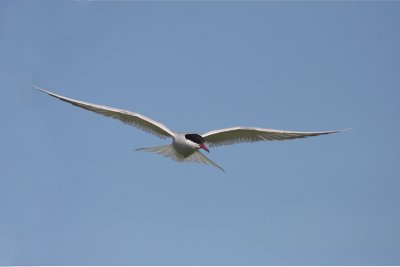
167, 151
170, 152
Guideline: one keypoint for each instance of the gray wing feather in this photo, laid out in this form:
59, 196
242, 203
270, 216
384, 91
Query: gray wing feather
235, 135
127, 117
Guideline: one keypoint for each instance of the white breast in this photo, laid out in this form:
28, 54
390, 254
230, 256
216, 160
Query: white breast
184, 146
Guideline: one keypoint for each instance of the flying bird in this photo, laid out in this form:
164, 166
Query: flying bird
185, 146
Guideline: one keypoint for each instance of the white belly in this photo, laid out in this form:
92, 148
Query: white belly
184, 146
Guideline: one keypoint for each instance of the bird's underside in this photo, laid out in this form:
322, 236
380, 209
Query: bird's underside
185, 146
170, 152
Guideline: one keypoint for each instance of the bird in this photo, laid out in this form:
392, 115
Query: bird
186, 146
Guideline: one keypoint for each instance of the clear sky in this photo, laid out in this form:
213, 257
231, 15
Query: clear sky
72, 191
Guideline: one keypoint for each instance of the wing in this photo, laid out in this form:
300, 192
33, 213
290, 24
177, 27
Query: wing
235, 135
125, 116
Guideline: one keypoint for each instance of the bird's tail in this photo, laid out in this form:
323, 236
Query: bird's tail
170, 152
198, 157
167, 151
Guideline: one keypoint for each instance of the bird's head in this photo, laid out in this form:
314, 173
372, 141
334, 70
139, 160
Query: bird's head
198, 140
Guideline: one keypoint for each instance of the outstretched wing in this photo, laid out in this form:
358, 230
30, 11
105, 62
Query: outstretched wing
235, 135
127, 117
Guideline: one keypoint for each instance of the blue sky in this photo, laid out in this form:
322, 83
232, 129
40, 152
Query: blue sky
72, 191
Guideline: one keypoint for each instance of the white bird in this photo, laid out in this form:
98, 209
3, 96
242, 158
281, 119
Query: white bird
185, 146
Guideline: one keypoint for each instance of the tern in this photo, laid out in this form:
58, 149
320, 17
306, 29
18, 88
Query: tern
185, 146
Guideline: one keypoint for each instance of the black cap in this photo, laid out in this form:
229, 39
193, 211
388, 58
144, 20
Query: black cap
196, 138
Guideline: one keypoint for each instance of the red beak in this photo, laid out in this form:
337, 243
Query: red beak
204, 147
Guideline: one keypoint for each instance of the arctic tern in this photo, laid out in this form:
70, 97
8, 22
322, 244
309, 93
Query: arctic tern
185, 146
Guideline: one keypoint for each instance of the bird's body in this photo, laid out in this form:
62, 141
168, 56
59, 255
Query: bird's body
185, 146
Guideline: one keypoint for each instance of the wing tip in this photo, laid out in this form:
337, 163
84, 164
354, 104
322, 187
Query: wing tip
37, 87
42, 90
343, 130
